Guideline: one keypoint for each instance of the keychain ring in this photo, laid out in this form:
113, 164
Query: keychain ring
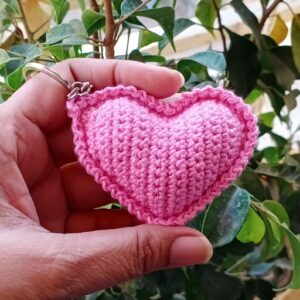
76, 88
36, 67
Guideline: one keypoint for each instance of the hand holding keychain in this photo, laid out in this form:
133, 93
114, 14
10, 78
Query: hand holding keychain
163, 161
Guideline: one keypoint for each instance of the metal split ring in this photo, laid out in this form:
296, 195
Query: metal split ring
76, 88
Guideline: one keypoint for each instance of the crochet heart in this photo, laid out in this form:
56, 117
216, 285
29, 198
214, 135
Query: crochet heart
163, 161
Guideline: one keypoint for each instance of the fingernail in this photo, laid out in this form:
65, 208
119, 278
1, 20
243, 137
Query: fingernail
190, 250
182, 78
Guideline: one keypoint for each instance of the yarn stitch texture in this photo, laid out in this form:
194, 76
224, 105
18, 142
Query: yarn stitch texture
163, 161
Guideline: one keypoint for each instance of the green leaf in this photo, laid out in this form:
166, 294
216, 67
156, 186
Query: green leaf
253, 230
253, 96
192, 71
263, 129
154, 58
117, 5
267, 118
273, 242
284, 53
225, 216
33, 53
278, 210
280, 141
59, 33
165, 16
136, 55
92, 21
15, 79
82, 4
60, 8
211, 59
18, 53
5, 92
242, 64
264, 3
148, 37
133, 23
179, 26
272, 156
210, 283
144, 57
128, 6
295, 246
247, 16
58, 52
14, 6
284, 75
78, 27
206, 13
295, 36
269, 85
250, 181
4, 57
197, 222
290, 99
80, 34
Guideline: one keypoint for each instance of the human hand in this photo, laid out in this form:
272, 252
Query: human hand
52, 242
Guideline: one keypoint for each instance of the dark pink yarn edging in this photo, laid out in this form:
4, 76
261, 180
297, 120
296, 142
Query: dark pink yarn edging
77, 105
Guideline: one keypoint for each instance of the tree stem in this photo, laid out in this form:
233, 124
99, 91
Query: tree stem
109, 42
96, 50
127, 45
221, 29
267, 12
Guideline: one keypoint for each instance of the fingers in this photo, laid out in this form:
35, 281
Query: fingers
122, 254
42, 100
83, 195
45, 98
61, 145
99, 219
14, 191
82, 192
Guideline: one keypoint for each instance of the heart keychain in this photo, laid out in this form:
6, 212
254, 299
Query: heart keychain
163, 161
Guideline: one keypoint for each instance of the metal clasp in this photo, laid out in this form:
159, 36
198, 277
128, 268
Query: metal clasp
76, 88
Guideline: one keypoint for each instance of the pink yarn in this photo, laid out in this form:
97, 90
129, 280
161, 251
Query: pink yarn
163, 161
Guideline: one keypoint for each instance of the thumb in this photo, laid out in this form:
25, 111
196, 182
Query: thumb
101, 259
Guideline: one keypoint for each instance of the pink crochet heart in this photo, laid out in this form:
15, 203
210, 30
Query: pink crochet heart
164, 162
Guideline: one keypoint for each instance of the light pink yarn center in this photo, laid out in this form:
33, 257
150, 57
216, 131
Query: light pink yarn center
163, 161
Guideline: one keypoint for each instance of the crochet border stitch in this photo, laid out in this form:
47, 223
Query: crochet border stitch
236, 105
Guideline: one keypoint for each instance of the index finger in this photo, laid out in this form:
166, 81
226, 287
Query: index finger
45, 98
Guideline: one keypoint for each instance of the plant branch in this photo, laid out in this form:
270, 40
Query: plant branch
127, 45
221, 27
267, 12
25, 23
110, 24
289, 7
124, 18
96, 49
100, 42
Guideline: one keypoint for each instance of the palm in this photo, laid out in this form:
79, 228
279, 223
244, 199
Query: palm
45, 184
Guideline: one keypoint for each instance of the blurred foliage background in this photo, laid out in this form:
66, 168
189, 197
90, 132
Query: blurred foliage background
254, 224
